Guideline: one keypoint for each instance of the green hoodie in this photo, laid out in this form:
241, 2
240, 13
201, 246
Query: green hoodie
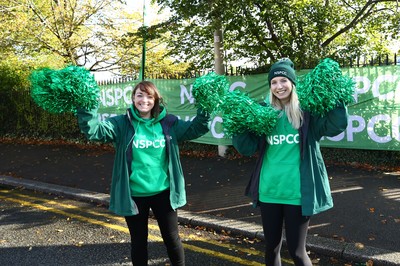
150, 167
280, 171
314, 183
120, 131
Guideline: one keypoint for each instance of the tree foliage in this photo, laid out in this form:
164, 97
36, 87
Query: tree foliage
102, 35
263, 31
157, 59
83, 33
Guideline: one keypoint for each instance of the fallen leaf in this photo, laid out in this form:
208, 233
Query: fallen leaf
335, 261
316, 260
359, 245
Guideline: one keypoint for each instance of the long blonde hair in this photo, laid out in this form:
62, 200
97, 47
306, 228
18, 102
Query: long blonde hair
292, 110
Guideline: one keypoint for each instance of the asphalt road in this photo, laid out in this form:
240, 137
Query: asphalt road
44, 229
364, 224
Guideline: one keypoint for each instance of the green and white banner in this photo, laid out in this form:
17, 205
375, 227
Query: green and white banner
373, 117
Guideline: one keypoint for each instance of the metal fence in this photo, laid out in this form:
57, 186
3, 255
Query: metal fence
360, 61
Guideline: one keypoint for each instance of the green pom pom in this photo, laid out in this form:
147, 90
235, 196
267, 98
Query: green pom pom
59, 91
240, 113
209, 90
322, 89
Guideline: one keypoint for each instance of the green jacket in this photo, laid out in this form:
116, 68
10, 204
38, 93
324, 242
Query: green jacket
314, 184
119, 131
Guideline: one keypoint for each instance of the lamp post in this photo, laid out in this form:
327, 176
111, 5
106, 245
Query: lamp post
143, 61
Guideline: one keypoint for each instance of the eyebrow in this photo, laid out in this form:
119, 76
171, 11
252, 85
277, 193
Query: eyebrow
142, 93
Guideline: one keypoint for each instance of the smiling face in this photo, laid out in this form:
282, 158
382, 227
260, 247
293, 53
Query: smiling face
146, 99
143, 102
281, 88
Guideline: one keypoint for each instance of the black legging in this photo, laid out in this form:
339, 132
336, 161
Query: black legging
167, 220
296, 227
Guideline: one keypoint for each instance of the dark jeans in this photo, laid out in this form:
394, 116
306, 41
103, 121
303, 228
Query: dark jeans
296, 227
167, 220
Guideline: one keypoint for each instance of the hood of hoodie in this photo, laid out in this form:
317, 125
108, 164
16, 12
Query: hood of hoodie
138, 118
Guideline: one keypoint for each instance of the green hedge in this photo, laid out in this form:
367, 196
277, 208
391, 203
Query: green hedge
20, 116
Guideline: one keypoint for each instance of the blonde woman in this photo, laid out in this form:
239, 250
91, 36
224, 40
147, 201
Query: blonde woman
290, 182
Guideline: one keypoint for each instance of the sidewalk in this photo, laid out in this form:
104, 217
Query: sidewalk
364, 224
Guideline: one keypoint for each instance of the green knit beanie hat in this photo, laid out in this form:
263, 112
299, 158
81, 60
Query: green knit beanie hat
282, 68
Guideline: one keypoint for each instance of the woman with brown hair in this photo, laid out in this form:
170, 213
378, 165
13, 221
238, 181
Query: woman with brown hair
147, 172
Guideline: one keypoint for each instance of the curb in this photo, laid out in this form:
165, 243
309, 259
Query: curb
317, 244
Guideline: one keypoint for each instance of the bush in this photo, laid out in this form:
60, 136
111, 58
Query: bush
13, 78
